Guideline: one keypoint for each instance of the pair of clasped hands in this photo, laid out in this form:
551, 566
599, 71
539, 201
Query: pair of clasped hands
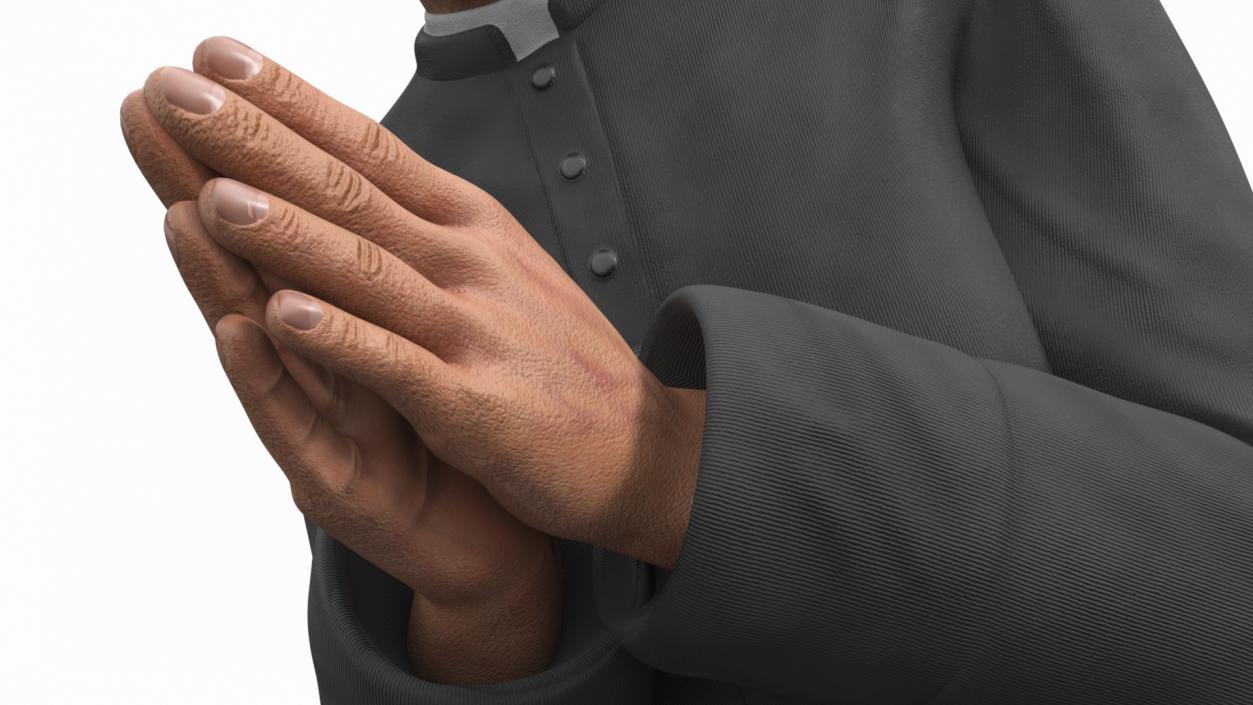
442, 397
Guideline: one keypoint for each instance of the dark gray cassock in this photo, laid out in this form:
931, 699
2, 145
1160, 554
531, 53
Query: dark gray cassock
970, 286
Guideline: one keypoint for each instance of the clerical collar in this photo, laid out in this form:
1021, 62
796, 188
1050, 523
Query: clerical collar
493, 36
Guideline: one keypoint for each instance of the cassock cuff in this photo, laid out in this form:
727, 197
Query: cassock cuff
672, 619
816, 505
358, 617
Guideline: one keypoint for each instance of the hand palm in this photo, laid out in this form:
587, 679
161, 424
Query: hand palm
406, 511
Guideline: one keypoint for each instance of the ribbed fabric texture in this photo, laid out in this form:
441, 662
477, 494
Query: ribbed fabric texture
894, 521
568, 14
357, 621
968, 285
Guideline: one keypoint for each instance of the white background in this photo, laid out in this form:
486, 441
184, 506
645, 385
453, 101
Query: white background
149, 549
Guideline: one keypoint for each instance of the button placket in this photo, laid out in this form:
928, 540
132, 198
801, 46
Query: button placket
544, 76
603, 262
573, 166
582, 186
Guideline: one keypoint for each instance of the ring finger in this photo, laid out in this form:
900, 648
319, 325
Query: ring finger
325, 259
237, 139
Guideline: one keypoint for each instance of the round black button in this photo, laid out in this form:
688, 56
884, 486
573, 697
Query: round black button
603, 262
573, 166
543, 76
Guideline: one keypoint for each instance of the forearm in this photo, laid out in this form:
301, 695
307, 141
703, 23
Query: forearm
512, 635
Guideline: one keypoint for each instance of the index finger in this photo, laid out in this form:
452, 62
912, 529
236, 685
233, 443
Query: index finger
173, 173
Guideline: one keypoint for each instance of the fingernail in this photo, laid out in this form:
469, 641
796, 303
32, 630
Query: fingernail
169, 240
191, 91
298, 311
230, 59
239, 203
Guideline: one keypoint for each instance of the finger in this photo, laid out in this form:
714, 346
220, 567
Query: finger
317, 459
222, 284
238, 140
360, 142
412, 379
272, 281
327, 260
171, 172
368, 496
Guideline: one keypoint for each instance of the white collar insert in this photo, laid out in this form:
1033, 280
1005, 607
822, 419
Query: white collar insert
526, 24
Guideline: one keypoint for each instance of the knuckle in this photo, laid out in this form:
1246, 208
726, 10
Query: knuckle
309, 495
247, 124
482, 253
300, 497
473, 266
306, 500
284, 86
322, 483
291, 91
291, 231
345, 188
370, 260
273, 383
340, 404
377, 144
347, 486
349, 333
239, 288
394, 350
312, 427
180, 213
313, 501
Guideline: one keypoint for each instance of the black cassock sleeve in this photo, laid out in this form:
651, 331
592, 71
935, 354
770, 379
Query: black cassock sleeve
883, 519
880, 518
358, 616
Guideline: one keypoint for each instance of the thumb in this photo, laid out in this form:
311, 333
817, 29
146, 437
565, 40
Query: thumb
316, 458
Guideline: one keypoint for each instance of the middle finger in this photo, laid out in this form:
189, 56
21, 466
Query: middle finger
325, 259
239, 140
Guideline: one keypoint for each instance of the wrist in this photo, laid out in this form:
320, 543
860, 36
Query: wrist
652, 518
491, 637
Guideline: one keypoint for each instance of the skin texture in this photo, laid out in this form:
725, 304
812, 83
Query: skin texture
446, 412
487, 587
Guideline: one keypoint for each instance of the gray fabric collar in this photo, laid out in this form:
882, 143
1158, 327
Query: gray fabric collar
526, 24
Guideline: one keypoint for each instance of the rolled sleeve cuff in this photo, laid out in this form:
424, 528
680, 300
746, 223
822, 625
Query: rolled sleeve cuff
358, 618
